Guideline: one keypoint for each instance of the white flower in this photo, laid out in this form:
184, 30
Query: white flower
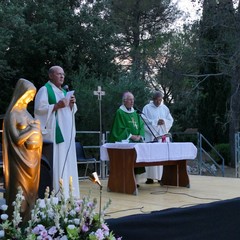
64, 238
2, 233
42, 203
43, 215
72, 213
50, 214
55, 200
76, 221
4, 207
60, 213
71, 226
4, 217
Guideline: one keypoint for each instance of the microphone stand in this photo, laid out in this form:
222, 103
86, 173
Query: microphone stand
140, 114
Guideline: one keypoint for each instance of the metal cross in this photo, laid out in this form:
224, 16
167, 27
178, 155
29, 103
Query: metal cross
99, 93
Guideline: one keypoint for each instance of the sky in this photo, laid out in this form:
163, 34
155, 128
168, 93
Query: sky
190, 10
189, 7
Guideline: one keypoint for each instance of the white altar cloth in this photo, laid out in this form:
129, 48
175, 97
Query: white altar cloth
154, 152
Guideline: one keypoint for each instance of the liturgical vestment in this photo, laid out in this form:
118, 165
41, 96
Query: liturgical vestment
64, 154
126, 122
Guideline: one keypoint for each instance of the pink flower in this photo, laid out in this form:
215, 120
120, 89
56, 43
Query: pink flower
47, 238
90, 204
77, 209
105, 227
52, 230
99, 234
44, 233
85, 228
38, 229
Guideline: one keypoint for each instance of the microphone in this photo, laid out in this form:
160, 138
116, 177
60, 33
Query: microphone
140, 114
66, 88
155, 138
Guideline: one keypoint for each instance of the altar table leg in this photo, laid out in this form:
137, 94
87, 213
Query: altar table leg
121, 171
176, 175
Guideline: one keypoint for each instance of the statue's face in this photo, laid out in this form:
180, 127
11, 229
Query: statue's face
26, 98
57, 77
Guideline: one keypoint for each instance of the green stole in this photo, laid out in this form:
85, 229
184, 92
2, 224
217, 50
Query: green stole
52, 100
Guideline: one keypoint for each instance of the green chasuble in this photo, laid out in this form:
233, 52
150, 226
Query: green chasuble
125, 124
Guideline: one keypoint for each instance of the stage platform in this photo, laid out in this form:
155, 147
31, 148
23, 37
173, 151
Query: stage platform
208, 210
153, 197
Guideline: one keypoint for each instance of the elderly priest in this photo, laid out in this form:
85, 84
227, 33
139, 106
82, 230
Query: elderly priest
127, 124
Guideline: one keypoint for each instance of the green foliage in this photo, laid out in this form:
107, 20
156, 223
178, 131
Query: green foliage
139, 25
177, 76
85, 83
185, 137
43, 33
92, 39
224, 150
217, 40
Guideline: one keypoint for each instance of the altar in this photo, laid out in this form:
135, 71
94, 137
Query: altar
124, 157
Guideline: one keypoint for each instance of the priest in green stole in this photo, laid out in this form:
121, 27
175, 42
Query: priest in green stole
127, 124
57, 116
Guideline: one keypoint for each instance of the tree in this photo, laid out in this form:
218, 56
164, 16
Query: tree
139, 25
43, 33
216, 41
234, 110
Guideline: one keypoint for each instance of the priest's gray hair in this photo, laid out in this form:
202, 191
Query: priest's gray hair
52, 69
126, 95
157, 94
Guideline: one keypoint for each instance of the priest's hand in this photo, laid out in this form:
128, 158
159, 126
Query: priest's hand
60, 104
161, 122
136, 138
72, 101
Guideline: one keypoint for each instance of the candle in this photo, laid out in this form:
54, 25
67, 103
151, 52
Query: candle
70, 183
61, 182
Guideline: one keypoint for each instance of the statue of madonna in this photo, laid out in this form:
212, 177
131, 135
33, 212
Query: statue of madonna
22, 149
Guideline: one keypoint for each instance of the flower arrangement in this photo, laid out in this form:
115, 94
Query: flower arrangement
56, 218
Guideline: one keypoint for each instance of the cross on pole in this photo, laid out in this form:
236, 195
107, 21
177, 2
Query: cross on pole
100, 93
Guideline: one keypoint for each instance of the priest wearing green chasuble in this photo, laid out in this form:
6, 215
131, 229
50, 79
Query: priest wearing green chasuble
127, 124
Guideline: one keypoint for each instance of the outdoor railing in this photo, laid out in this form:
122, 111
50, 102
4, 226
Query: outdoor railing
95, 139
204, 158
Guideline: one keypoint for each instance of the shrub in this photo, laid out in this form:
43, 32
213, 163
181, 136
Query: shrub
224, 150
